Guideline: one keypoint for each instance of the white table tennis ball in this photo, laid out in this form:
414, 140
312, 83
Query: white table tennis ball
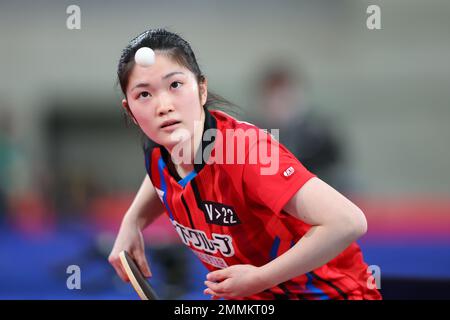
144, 57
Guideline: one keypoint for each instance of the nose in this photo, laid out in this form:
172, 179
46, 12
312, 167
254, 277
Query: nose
164, 105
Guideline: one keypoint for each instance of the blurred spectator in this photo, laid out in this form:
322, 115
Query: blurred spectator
307, 134
22, 203
7, 154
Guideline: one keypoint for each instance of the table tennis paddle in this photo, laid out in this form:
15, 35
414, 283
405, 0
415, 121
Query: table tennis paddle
137, 279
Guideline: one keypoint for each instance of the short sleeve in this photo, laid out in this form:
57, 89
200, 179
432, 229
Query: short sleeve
273, 183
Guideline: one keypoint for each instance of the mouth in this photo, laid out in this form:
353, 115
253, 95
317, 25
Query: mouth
169, 123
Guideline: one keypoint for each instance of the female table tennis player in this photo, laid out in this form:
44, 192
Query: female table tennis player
265, 227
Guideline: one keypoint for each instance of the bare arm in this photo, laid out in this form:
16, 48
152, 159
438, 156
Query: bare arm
145, 208
335, 223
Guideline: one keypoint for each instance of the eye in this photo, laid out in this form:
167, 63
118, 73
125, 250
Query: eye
144, 94
175, 84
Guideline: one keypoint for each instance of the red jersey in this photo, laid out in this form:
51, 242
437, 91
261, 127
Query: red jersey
229, 211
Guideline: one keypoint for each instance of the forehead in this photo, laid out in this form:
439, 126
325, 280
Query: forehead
154, 73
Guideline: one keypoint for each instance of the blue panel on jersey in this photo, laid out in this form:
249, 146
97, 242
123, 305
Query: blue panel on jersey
147, 161
275, 246
311, 288
161, 166
293, 243
183, 182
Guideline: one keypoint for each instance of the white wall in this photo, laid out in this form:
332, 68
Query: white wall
388, 89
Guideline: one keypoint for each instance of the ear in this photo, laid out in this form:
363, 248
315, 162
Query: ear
203, 91
127, 108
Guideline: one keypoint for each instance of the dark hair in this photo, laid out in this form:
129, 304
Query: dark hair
173, 46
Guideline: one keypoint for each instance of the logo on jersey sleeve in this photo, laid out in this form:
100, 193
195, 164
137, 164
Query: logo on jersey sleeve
220, 214
289, 172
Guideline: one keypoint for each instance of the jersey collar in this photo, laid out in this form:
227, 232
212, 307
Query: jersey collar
210, 123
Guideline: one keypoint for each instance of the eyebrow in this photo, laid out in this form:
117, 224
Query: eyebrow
144, 84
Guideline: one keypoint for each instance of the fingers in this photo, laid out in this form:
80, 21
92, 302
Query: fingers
141, 261
217, 284
137, 256
218, 275
215, 295
213, 286
220, 289
114, 260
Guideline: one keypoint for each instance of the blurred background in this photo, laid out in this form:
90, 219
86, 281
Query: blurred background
366, 110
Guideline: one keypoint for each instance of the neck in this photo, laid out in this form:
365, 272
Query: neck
190, 145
